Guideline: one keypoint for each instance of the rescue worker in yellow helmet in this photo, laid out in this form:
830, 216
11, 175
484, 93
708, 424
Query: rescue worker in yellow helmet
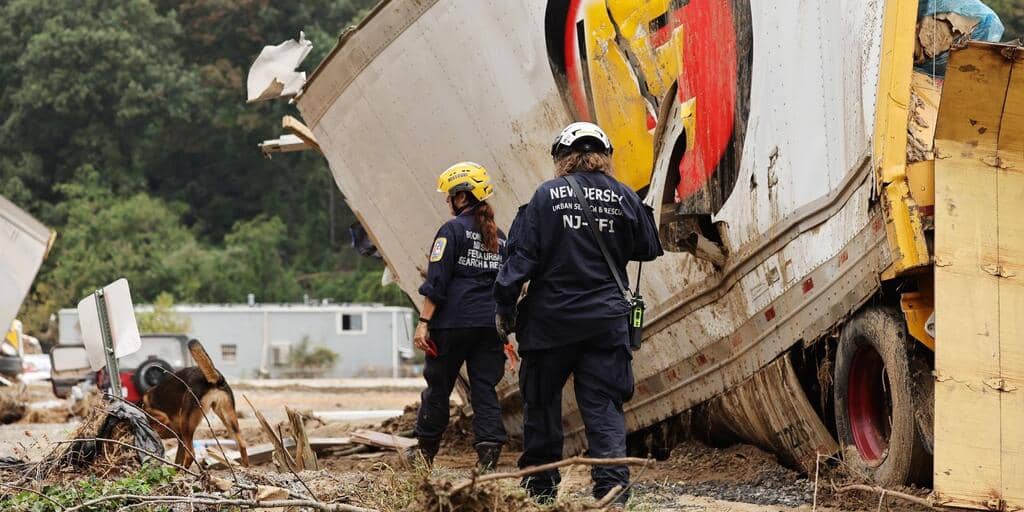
457, 320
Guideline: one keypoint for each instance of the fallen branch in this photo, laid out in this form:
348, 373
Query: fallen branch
133, 447
222, 502
883, 491
817, 466
37, 493
278, 445
608, 498
571, 461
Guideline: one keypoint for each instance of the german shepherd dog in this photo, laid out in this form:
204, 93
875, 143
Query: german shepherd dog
180, 411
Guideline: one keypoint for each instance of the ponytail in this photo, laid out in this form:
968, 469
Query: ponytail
484, 215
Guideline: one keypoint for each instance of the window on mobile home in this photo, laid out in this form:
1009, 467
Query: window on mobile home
350, 323
228, 353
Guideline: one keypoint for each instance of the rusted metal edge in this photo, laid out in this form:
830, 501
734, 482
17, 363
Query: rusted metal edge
839, 286
356, 49
771, 410
754, 254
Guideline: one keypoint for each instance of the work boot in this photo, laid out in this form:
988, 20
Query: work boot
425, 449
541, 488
487, 456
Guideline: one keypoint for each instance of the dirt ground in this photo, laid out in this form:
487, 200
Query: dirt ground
695, 478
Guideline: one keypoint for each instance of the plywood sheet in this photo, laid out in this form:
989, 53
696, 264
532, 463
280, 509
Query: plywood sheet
1011, 289
967, 432
1011, 132
979, 244
1011, 327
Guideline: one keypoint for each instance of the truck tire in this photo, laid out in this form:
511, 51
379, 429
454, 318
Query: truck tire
874, 401
150, 374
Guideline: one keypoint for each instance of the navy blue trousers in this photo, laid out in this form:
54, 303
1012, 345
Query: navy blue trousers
481, 350
603, 381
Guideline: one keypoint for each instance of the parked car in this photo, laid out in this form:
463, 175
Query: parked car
160, 354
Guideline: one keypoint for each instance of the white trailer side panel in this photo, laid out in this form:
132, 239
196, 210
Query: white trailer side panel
24, 242
423, 84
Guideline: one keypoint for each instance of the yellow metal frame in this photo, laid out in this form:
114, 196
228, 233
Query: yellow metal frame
903, 221
917, 307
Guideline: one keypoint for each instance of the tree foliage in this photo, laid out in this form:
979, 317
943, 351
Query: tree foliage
1011, 13
307, 360
163, 319
125, 129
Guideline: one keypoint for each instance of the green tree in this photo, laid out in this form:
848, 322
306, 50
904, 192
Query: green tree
1011, 13
252, 261
125, 129
89, 82
308, 361
106, 237
163, 319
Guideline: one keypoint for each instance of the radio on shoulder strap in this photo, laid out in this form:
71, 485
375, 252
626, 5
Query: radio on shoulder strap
635, 320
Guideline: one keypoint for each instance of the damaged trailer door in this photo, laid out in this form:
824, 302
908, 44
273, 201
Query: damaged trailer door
24, 242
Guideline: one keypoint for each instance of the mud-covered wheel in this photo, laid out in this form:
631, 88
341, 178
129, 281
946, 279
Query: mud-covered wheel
150, 374
874, 402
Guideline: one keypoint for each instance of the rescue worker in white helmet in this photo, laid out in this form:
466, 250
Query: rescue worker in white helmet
456, 323
573, 320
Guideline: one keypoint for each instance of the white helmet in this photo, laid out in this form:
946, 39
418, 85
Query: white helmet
582, 136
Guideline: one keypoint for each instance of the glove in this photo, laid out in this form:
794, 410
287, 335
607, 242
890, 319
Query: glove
511, 355
505, 326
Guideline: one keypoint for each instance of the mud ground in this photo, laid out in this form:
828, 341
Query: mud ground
696, 477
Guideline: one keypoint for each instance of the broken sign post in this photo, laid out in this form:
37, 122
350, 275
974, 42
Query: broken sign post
109, 331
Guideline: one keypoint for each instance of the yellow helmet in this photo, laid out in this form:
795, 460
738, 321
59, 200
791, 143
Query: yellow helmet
466, 177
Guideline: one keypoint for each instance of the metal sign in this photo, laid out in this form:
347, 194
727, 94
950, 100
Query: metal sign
109, 331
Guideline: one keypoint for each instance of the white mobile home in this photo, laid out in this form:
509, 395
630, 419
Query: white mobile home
249, 341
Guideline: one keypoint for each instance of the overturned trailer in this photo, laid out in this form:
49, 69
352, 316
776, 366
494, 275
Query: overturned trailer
24, 243
771, 138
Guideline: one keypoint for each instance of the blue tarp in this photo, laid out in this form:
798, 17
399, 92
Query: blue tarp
989, 27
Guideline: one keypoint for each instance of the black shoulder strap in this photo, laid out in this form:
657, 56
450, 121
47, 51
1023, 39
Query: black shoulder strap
578, 192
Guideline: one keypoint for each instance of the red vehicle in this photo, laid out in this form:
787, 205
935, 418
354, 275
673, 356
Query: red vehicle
160, 354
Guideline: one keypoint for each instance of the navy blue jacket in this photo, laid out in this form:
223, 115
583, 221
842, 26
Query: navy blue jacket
572, 295
460, 275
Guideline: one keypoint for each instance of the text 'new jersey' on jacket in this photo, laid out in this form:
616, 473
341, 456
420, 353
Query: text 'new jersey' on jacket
572, 295
460, 273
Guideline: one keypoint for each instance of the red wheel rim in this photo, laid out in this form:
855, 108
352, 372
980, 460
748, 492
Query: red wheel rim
870, 405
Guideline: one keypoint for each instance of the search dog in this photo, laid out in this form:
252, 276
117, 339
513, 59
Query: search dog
182, 399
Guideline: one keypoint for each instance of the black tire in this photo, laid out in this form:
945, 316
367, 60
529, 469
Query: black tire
874, 401
150, 374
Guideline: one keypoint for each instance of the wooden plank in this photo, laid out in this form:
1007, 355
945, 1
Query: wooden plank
972, 97
967, 432
968, 467
381, 440
1010, 205
1011, 130
322, 443
296, 128
304, 456
282, 453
